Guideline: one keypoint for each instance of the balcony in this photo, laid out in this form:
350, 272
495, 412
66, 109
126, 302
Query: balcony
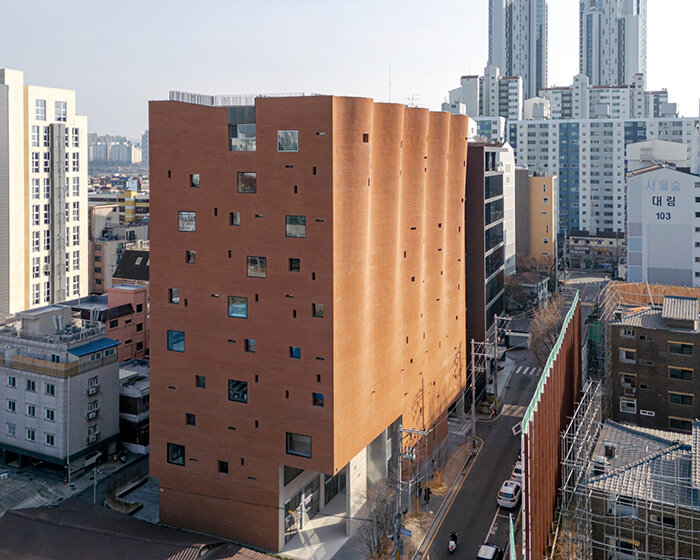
92, 414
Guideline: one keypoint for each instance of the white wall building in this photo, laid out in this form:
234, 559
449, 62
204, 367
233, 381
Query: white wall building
537, 108
612, 40
60, 388
506, 160
518, 41
663, 226
490, 95
43, 195
653, 152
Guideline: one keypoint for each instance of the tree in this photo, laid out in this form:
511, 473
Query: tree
517, 297
380, 521
544, 329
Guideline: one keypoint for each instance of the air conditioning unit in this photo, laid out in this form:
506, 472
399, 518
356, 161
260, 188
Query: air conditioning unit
92, 414
93, 390
95, 429
47, 269
92, 439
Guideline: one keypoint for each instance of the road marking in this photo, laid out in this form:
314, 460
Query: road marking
535, 371
454, 497
514, 410
519, 369
493, 523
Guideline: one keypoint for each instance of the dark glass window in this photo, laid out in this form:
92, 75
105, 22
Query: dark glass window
176, 341
247, 182
190, 419
295, 352
200, 381
298, 444
294, 265
176, 454
237, 391
318, 399
295, 226
257, 267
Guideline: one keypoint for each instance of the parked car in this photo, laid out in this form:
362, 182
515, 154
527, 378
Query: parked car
92, 458
517, 473
488, 551
509, 494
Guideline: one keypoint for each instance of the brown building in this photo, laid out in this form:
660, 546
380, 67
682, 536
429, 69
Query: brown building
544, 216
307, 298
655, 373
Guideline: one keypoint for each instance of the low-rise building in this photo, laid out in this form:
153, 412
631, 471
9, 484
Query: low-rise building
600, 252
655, 367
60, 379
134, 267
134, 405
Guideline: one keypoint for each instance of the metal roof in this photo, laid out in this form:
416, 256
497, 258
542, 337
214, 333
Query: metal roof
681, 308
94, 346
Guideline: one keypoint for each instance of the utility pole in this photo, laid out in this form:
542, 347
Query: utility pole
473, 392
397, 531
94, 485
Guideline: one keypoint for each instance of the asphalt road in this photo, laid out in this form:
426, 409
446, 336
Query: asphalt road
474, 513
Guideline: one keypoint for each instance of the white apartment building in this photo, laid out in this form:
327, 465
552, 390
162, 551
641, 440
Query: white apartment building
612, 40
60, 388
663, 228
506, 159
582, 100
588, 156
518, 41
490, 95
43, 195
653, 152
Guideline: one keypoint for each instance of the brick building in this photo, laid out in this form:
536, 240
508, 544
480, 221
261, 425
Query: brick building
308, 297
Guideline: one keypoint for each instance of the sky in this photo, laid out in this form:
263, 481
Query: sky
118, 55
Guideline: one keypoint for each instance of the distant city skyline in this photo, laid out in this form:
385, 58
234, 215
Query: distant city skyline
118, 58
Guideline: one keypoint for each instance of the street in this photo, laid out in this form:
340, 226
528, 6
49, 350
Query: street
474, 513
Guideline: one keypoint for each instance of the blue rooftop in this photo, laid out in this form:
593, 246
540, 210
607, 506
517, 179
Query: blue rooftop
94, 346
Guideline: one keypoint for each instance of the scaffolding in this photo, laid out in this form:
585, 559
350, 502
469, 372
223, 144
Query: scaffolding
648, 507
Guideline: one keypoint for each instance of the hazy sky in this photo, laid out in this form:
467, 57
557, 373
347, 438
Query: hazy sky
117, 55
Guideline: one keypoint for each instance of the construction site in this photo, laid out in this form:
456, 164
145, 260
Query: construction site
627, 492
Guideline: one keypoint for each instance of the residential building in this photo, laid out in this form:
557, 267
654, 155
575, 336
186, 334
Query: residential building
537, 108
582, 100
134, 404
133, 205
485, 230
113, 150
109, 238
602, 252
518, 41
134, 266
535, 286
335, 286
522, 210
60, 379
653, 152
663, 226
543, 217
613, 40
588, 156
144, 148
124, 311
490, 95
655, 374
43, 195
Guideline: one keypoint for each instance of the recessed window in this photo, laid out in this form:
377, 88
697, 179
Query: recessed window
298, 444
139, 327
365, 137
684, 348
628, 405
287, 140
684, 399
194, 179
294, 265
234, 218
295, 226
186, 221
11, 406
237, 391
11, 381
50, 414
295, 352
686, 374
628, 356
50, 389
31, 434
223, 467
190, 419
238, 307
318, 309
139, 307
190, 257
247, 182
257, 267
176, 341
318, 399
249, 345
627, 333
173, 295
680, 424
200, 381
31, 385
176, 454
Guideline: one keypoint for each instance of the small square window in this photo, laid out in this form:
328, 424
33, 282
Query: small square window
234, 218
238, 307
139, 307
318, 399
114, 323
294, 265
287, 140
249, 345
200, 381
298, 444
176, 341
176, 454
223, 467
295, 226
365, 137
194, 180
318, 309
190, 257
186, 221
190, 419
257, 267
237, 391
295, 352
247, 182
173, 295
